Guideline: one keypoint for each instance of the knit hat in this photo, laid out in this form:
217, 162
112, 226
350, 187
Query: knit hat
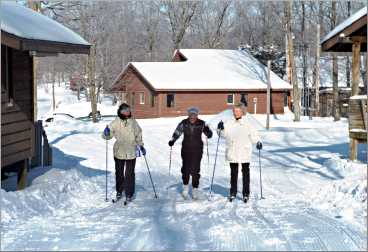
193, 111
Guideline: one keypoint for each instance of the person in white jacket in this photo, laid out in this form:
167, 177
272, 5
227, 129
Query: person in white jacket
239, 135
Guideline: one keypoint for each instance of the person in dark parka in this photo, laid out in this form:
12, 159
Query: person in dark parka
192, 149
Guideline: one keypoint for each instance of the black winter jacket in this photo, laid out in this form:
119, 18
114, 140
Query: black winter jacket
192, 141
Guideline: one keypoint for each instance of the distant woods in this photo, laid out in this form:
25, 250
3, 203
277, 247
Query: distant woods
124, 31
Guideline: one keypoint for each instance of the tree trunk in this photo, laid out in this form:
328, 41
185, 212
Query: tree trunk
316, 74
91, 73
305, 87
335, 80
294, 81
347, 69
268, 93
53, 90
288, 65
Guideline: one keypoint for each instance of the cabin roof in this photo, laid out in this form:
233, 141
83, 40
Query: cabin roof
25, 29
340, 38
209, 69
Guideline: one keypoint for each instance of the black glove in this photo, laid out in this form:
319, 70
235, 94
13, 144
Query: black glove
143, 150
220, 125
171, 142
210, 134
259, 145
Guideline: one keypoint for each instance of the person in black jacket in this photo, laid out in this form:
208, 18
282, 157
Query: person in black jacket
192, 149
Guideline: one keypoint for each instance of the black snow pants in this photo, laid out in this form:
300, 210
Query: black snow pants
125, 178
191, 166
234, 179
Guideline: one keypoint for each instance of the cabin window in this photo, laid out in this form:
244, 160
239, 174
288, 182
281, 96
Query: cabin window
285, 99
123, 97
244, 99
6, 74
170, 100
141, 98
152, 100
230, 99
132, 100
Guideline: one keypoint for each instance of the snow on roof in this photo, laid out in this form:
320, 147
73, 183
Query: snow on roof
26, 23
210, 69
353, 18
359, 97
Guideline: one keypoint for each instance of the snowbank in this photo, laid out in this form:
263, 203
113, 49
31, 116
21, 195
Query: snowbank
56, 190
346, 197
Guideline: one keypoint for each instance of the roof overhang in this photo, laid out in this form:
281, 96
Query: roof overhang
42, 47
343, 39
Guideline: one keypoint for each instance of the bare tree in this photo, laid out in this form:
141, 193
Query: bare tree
348, 65
290, 51
211, 23
335, 79
180, 14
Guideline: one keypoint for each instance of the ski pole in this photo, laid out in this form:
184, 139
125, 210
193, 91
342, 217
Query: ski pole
214, 166
149, 173
170, 161
260, 172
208, 155
167, 188
106, 170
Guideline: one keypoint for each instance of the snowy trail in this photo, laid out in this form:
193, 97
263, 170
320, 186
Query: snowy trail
64, 209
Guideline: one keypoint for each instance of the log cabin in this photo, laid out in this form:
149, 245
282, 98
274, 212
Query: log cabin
350, 37
26, 34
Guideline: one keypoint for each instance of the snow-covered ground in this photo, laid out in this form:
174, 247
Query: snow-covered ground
315, 199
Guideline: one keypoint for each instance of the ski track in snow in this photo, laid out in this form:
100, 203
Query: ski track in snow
279, 222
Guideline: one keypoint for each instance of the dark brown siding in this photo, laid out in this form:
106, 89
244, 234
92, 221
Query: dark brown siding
17, 120
23, 82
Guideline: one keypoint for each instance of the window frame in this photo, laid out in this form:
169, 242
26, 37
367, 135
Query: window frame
233, 99
172, 103
142, 98
152, 101
245, 98
8, 75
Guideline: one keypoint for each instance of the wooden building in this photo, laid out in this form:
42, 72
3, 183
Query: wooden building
326, 100
24, 35
351, 37
210, 79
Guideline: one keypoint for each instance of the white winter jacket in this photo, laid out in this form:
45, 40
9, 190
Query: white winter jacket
239, 135
128, 135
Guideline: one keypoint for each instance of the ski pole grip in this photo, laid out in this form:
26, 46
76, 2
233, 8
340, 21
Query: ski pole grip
107, 131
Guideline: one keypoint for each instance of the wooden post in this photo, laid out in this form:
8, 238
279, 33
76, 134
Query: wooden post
355, 90
353, 148
268, 93
37, 158
356, 68
22, 174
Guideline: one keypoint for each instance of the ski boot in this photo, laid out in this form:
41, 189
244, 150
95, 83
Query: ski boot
185, 191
